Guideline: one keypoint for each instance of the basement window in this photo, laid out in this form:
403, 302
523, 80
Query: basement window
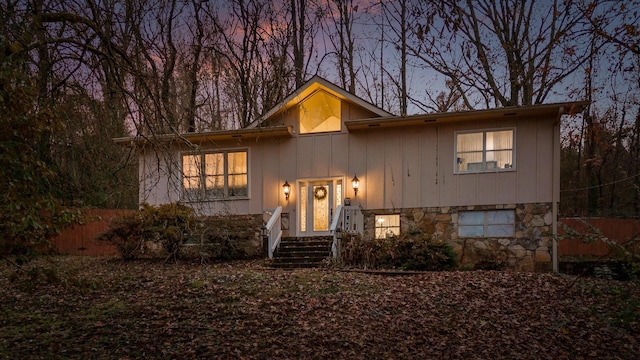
488, 224
387, 226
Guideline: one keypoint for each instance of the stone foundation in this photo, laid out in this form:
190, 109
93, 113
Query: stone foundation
241, 232
529, 250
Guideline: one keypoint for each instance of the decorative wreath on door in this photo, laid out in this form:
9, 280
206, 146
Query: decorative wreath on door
320, 193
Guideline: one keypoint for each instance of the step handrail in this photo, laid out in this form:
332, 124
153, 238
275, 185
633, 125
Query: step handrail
347, 220
335, 230
274, 231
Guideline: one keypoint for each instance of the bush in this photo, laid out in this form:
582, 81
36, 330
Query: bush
126, 233
404, 252
166, 224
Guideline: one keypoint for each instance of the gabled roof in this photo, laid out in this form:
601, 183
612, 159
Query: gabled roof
315, 84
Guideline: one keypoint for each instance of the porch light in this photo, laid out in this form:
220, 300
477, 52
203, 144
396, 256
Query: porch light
355, 183
338, 233
287, 189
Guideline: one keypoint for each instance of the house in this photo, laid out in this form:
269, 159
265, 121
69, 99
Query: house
487, 182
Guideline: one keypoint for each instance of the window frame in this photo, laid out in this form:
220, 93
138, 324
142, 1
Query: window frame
484, 162
487, 223
376, 228
202, 191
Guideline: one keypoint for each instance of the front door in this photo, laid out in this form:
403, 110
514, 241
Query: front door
318, 200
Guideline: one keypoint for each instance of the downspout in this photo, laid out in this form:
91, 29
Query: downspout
556, 189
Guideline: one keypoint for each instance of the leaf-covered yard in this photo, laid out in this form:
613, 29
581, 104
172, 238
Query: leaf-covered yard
75, 307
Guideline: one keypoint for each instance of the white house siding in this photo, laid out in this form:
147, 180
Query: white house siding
404, 167
407, 170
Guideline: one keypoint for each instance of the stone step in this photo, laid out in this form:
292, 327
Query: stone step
300, 259
294, 265
299, 244
302, 252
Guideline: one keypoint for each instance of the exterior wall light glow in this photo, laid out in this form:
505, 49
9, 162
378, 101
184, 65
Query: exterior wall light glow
287, 189
355, 183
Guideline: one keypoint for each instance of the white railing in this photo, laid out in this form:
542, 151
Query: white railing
274, 231
347, 220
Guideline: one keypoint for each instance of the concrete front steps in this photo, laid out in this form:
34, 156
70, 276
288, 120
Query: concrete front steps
295, 253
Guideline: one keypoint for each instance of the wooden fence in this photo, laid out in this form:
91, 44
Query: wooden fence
80, 239
621, 231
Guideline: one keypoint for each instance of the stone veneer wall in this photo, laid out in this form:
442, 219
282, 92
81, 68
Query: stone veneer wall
242, 231
529, 250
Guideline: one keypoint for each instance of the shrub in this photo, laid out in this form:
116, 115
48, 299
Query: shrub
405, 252
166, 224
126, 233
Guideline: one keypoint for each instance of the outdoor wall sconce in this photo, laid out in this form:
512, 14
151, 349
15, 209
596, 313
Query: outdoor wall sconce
355, 183
287, 189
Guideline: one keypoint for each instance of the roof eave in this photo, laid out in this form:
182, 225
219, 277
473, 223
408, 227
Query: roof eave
544, 110
204, 137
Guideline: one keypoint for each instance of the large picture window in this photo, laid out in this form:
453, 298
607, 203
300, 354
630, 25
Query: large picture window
215, 175
320, 113
490, 150
496, 223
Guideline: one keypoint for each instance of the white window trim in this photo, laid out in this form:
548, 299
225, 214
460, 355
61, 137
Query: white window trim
202, 192
486, 224
484, 151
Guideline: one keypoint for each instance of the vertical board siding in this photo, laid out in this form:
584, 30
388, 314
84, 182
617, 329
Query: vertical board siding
544, 155
321, 157
410, 160
393, 172
305, 157
339, 150
432, 168
527, 163
373, 178
80, 239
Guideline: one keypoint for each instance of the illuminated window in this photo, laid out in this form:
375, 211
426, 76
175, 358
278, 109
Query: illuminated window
320, 113
498, 223
216, 175
387, 226
484, 151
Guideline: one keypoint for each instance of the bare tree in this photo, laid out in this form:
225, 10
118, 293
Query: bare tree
502, 52
396, 15
342, 14
616, 22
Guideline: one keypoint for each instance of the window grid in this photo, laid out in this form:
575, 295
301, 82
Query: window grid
493, 223
484, 151
216, 174
387, 226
